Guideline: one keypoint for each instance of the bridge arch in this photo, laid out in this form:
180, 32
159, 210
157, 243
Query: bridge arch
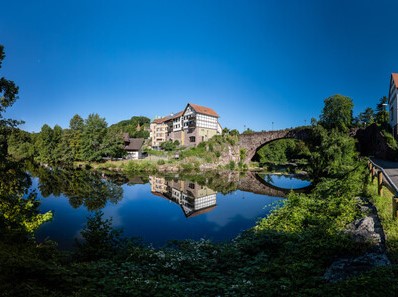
252, 142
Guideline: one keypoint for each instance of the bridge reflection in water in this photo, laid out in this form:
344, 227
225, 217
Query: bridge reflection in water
195, 199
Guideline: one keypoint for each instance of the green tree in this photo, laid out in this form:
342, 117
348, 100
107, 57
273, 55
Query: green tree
8, 95
20, 144
94, 132
248, 131
333, 153
136, 127
76, 123
74, 137
45, 145
382, 113
234, 132
337, 113
112, 145
367, 117
169, 145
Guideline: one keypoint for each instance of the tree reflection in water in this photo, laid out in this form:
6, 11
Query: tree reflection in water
81, 187
19, 215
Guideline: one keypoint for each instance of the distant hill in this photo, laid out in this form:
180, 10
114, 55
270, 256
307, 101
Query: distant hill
136, 127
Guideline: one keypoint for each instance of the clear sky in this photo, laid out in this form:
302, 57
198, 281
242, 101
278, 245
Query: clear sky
254, 62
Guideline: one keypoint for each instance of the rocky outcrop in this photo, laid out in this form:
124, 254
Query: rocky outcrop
367, 230
371, 142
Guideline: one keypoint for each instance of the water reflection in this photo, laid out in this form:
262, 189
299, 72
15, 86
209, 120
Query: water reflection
155, 208
81, 187
286, 181
194, 199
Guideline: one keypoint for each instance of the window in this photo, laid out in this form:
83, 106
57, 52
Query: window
192, 139
192, 186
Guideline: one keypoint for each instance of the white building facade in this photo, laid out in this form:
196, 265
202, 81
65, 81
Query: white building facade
189, 127
393, 103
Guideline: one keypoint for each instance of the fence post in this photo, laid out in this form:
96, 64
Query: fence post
370, 169
394, 206
379, 182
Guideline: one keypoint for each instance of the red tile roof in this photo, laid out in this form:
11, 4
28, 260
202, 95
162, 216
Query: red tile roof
204, 110
394, 77
166, 118
178, 114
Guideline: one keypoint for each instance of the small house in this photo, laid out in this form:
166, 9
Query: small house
133, 147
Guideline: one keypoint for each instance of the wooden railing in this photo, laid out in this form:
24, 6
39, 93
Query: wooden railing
382, 178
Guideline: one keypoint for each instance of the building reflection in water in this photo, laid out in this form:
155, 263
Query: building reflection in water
193, 198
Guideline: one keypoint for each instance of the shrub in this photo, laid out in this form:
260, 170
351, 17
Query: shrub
161, 162
390, 140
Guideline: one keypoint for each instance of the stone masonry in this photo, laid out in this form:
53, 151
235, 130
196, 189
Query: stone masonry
254, 141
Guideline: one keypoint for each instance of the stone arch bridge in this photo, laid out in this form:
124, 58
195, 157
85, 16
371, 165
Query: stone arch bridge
254, 141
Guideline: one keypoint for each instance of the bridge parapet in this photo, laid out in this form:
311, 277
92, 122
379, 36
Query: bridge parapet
254, 141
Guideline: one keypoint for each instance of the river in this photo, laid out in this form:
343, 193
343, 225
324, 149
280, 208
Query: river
156, 209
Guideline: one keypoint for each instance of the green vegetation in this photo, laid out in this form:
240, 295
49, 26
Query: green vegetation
211, 150
387, 211
170, 145
382, 114
136, 127
283, 151
390, 139
137, 166
367, 117
86, 140
333, 153
337, 113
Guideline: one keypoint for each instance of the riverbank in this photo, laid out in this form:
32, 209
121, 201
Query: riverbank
187, 165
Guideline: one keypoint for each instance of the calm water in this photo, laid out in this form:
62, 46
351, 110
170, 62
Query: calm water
286, 181
153, 208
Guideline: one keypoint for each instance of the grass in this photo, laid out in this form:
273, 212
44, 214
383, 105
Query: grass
389, 221
390, 140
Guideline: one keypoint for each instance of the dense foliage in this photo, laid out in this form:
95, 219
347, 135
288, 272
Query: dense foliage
337, 113
136, 127
283, 151
85, 140
8, 95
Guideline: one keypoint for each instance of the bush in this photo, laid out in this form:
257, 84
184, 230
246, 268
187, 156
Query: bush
390, 140
139, 166
169, 145
161, 162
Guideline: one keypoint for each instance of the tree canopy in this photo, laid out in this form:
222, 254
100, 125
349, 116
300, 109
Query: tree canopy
381, 112
337, 113
8, 95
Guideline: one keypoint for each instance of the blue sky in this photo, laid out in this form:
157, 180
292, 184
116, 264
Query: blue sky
254, 62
